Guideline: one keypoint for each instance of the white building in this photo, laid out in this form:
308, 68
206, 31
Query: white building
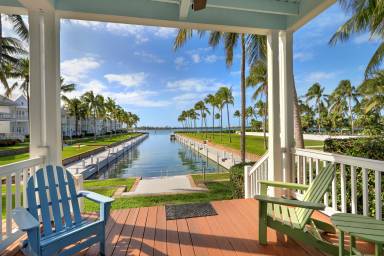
14, 118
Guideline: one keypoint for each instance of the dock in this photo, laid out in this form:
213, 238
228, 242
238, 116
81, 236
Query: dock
92, 164
221, 157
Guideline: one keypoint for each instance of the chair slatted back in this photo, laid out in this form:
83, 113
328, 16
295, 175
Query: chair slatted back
315, 193
51, 191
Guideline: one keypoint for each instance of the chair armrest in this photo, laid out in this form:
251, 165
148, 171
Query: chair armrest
289, 202
24, 219
279, 184
95, 197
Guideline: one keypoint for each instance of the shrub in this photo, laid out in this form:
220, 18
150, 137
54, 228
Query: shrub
372, 148
236, 179
9, 142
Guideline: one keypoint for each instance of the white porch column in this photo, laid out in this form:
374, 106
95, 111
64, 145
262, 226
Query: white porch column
274, 145
45, 123
286, 101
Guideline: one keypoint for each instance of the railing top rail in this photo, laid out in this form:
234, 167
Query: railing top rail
342, 159
259, 162
15, 167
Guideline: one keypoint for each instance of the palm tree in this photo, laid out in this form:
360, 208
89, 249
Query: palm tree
11, 49
373, 91
345, 95
95, 104
227, 98
64, 88
220, 106
365, 16
261, 111
110, 107
250, 112
237, 114
75, 108
316, 93
211, 100
200, 106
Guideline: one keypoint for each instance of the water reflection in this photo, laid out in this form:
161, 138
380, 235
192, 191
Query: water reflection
158, 156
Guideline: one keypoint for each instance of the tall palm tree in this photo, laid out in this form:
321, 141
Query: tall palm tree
253, 46
365, 16
237, 114
95, 104
211, 100
75, 108
345, 95
110, 107
316, 93
200, 106
220, 106
227, 98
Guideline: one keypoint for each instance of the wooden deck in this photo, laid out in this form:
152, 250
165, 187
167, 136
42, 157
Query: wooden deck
234, 231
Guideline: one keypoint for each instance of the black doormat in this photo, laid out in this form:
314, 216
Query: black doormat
182, 211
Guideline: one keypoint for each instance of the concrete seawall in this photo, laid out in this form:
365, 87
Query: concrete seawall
223, 158
92, 164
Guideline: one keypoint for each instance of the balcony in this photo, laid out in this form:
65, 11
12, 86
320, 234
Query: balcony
7, 116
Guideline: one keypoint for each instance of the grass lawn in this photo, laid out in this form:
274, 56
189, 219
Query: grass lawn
254, 144
17, 146
71, 150
218, 185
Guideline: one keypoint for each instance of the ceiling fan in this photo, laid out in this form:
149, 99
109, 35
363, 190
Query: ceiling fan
199, 5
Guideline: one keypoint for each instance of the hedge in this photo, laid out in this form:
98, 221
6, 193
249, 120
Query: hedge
236, 178
372, 148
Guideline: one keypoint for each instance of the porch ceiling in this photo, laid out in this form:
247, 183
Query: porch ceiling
248, 16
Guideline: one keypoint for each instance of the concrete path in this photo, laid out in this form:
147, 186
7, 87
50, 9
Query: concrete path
165, 185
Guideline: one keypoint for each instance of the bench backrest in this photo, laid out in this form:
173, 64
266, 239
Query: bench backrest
51, 191
315, 193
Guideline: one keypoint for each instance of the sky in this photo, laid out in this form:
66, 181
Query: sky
137, 66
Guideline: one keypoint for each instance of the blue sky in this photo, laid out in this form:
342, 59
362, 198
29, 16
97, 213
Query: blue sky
138, 67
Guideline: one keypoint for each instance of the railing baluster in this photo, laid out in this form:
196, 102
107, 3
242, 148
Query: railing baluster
334, 190
317, 166
326, 196
304, 170
25, 179
1, 208
8, 205
343, 185
378, 202
365, 191
17, 189
310, 170
298, 169
353, 190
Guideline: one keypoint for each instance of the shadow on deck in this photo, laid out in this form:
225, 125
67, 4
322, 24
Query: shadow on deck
234, 231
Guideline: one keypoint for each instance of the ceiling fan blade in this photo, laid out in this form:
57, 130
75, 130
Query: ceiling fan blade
199, 5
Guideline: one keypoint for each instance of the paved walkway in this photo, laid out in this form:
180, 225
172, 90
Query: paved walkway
165, 185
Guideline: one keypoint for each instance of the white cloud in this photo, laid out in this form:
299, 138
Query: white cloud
303, 56
180, 62
187, 98
128, 80
319, 76
196, 58
74, 70
195, 85
139, 32
149, 57
212, 58
365, 38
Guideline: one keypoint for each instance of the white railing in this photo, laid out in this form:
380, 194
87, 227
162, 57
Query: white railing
357, 185
13, 178
252, 174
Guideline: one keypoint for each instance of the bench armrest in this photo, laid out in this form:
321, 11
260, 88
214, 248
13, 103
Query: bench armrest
95, 197
24, 219
289, 202
279, 184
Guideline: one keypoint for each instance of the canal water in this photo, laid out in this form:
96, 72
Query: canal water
158, 156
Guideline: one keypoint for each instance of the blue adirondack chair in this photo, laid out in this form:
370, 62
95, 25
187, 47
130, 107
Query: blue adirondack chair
59, 199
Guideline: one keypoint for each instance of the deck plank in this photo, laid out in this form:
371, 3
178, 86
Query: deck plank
234, 231
149, 233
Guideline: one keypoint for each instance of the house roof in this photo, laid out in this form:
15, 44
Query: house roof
248, 16
4, 101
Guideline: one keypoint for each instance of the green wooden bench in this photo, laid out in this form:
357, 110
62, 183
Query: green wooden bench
362, 227
293, 217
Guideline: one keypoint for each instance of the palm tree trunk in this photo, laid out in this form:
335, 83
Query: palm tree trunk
265, 126
221, 124
76, 125
243, 100
319, 124
213, 122
229, 125
350, 114
297, 128
202, 121
94, 125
